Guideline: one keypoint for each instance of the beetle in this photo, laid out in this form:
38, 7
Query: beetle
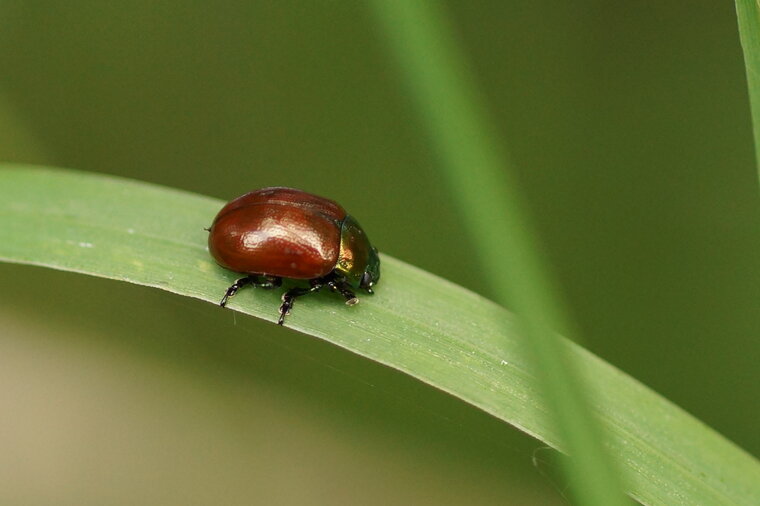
278, 232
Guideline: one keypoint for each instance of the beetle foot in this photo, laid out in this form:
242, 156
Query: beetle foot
285, 308
227, 296
232, 290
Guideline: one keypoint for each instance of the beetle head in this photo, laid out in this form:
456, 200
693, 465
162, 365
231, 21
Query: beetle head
372, 272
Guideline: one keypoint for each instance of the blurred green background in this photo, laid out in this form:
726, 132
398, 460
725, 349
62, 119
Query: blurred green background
629, 123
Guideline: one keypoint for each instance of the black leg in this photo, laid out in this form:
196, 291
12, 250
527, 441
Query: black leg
288, 298
232, 290
266, 282
345, 291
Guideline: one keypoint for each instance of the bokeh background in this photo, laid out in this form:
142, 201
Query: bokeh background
629, 124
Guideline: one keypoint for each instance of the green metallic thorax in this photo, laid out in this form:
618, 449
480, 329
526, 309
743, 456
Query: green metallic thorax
356, 253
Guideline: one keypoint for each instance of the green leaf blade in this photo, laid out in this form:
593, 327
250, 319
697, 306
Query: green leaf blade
417, 323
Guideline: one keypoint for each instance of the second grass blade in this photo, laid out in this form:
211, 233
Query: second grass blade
478, 176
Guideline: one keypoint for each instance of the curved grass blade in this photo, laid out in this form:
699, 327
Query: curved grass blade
417, 323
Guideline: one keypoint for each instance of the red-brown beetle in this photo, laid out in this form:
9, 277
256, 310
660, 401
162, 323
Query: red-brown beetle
276, 233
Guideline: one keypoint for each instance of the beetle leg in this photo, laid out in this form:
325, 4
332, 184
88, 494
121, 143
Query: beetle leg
260, 281
288, 298
237, 285
345, 291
